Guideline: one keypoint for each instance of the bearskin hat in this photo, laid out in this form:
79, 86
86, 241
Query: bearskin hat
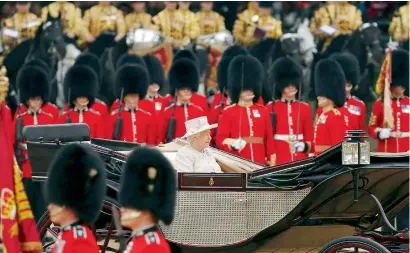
132, 78
400, 68
39, 63
222, 69
263, 50
149, 183
183, 74
330, 81
90, 60
155, 69
81, 81
284, 72
245, 72
130, 59
350, 66
186, 53
33, 81
76, 179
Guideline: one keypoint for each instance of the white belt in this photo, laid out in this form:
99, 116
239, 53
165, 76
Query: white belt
288, 137
400, 134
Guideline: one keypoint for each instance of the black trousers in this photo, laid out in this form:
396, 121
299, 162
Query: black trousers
34, 191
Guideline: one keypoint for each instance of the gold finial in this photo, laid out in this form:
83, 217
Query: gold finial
93, 173
152, 173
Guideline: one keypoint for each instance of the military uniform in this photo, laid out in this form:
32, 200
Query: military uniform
249, 122
82, 81
148, 176
399, 26
398, 138
138, 20
138, 124
191, 22
47, 107
157, 76
20, 27
210, 22
183, 73
330, 127
247, 21
71, 17
79, 165
99, 19
172, 24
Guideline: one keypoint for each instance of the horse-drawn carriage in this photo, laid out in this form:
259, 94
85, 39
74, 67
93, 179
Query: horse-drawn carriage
299, 206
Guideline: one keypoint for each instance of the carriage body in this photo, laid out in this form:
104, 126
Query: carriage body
251, 208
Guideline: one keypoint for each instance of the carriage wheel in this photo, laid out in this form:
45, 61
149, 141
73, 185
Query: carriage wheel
354, 244
105, 232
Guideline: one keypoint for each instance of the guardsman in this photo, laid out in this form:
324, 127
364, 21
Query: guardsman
33, 84
209, 21
190, 19
170, 22
81, 84
74, 209
354, 108
334, 19
399, 26
330, 127
131, 82
147, 196
396, 139
293, 126
245, 128
183, 77
104, 17
21, 26
139, 18
93, 62
196, 98
46, 105
157, 80
252, 26
71, 18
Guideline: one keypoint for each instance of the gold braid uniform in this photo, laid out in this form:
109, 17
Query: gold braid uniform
71, 18
399, 27
138, 20
191, 22
246, 23
172, 25
345, 17
25, 24
101, 18
210, 22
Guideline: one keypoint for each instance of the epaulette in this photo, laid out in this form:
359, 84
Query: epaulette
358, 99
198, 107
168, 107
216, 106
144, 111
100, 101
152, 237
257, 104
229, 106
22, 114
79, 232
303, 102
336, 111
66, 112
94, 111
48, 114
51, 104
115, 111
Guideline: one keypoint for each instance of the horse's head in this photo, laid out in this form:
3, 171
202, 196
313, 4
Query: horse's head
370, 35
290, 45
51, 36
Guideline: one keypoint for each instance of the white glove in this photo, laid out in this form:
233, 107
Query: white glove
299, 146
384, 133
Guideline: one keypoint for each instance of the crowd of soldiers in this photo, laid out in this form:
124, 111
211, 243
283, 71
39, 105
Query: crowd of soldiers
266, 132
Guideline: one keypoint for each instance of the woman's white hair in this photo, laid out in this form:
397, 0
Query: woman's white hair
192, 137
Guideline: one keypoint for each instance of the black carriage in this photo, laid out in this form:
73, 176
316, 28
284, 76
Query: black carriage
328, 203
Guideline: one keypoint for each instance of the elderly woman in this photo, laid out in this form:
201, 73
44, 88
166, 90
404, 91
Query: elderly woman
196, 157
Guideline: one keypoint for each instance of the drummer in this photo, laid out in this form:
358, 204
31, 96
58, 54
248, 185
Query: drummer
196, 157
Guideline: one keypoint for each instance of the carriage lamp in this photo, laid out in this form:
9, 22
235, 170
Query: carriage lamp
355, 150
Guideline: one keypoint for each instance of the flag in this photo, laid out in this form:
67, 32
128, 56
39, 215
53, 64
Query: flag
383, 88
17, 225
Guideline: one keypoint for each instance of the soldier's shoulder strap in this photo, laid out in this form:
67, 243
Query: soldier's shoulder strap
100, 101
48, 114
358, 99
196, 106
116, 111
143, 111
94, 111
229, 106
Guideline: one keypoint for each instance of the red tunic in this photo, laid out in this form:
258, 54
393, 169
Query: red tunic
91, 117
29, 119
182, 114
47, 107
98, 105
144, 104
399, 138
217, 100
148, 241
355, 110
253, 124
200, 100
290, 128
160, 103
137, 126
330, 129
76, 239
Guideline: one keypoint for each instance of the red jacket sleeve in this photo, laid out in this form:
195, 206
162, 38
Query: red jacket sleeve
100, 133
362, 117
308, 126
338, 128
109, 128
223, 131
163, 125
269, 143
151, 131
376, 119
